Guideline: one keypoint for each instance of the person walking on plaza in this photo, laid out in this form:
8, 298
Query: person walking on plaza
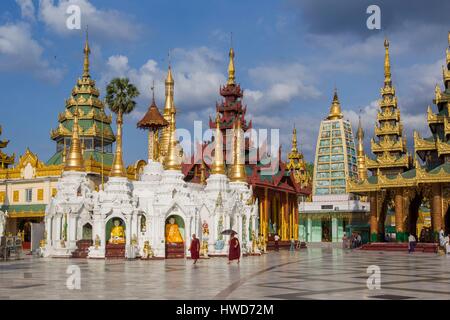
195, 249
292, 247
411, 243
235, 249
358, 240
277, 244
344, 241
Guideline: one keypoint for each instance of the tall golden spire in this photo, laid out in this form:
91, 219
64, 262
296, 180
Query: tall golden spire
169, 108
118, 169
335, 109
171, 160
360, 155
87, 52
387, 62
169, 105
231, 70
238, 173
294, 141
74, 161
218, 166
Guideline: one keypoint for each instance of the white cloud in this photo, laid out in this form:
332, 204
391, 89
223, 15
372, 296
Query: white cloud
108, 23
196, 73
27, 9
20, 52
281, 84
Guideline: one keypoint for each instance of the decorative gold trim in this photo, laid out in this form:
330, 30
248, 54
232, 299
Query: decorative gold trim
421, 144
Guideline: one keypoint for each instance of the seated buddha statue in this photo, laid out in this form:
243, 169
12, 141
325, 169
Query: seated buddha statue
117, 233
173, 234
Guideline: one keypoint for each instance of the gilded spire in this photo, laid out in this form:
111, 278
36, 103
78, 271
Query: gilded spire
169, 108
118, 169
74, 161
361, 157
294, 141
387, 62
218, 166
171, 160
87, 52
231, 70
335, 109
238, 173
169, 105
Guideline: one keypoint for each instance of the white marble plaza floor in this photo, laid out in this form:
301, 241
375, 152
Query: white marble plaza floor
315, 273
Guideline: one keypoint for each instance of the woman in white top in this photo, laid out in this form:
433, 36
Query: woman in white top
411, 243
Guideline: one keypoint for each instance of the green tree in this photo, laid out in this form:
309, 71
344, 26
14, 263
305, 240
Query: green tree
120, 95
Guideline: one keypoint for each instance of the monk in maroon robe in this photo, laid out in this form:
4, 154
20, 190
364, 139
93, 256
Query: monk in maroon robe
235, 249
195, 249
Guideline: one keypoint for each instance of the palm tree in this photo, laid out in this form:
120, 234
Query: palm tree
120, 95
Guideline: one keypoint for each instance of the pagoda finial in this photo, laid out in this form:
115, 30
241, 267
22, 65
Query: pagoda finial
449, 38
238, 173
294, 140
169, 105
387, 62
231, 70
218, 166
152, 88
87, 52
361, 157
335, 109
74, 161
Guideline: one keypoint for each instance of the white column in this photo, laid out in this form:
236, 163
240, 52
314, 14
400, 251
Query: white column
308, 230
71, 230
334, 230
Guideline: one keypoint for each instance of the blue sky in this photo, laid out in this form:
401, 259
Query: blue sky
289, 56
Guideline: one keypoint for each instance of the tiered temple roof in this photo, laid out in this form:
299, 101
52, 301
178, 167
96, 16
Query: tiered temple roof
434, 151
389, 147
95, 126
5, 160
258, 171
296, 163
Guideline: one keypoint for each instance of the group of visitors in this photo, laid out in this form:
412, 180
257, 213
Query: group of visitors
444, 242
355, 241
234, 251
293, 244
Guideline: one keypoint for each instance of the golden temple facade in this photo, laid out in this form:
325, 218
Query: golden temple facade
406, 186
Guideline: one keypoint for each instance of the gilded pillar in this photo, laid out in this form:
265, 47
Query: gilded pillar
436, 209
373, 217
266, 213
399, 214
296, 218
